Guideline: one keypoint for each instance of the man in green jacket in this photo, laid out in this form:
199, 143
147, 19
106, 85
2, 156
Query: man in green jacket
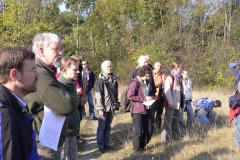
51, 93
69, 73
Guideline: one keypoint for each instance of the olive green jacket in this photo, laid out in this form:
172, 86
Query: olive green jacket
74, 118
52, 94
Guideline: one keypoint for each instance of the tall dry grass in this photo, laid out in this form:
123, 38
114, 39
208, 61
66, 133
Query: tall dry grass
203, 143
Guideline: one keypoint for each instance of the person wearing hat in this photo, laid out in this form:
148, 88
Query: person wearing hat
205, 113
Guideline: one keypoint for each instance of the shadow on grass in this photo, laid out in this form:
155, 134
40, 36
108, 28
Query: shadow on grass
211, 156
122, 133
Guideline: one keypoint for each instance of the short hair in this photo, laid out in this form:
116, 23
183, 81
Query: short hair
176, 65
218, 103
77, 57
43, 40
67, 62
141, 58
12, 57
105, 62
85, 61
142, 71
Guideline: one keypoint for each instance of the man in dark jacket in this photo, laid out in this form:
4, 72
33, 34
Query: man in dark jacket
88, 84
51, 93
18, 77
106, 93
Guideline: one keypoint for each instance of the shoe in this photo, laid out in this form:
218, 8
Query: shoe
141, 150
108, 147
93, 118
102, 150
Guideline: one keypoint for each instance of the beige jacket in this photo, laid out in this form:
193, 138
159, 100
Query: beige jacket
172, 95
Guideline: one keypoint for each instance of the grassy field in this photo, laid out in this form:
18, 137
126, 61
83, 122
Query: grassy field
203, 143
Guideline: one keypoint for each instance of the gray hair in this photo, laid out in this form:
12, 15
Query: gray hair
104, 63
141, 58
44, 40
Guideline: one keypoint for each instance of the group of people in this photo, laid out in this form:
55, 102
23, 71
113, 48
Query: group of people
29, 84
171, 92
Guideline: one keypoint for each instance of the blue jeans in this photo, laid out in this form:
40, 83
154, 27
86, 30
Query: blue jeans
90, 103
190, 113
237, 140
206, 118
104, 129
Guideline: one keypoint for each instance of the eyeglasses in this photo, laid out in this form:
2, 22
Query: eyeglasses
84, 64
58, 49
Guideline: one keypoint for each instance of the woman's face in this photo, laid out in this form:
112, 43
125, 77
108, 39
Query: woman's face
144, 78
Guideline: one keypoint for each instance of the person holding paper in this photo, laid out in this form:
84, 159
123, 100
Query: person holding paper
138, 93
51, 93
69, 73
18, 77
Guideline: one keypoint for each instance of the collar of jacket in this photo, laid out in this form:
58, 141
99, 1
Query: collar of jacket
65, 81
104, 77
40, 63
6, 97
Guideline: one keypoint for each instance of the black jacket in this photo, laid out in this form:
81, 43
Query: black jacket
16, 133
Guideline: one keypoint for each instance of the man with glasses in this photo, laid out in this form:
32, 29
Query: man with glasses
88, 83
51, 93
18, 77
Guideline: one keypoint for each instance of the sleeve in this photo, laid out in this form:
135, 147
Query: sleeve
190, 87
59, 99
235, 72
132, 94
116, 91
209, 105
99, 95
91, 81
168, 90
233, 68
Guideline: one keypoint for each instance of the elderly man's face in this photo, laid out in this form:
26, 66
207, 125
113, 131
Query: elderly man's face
143, 62
107, 68
53, 54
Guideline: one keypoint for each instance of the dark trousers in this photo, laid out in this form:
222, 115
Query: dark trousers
104, 129
157, 108
142, 129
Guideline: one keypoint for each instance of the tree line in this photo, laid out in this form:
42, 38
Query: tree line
203, 35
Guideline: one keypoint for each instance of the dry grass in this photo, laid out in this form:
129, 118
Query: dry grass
214, 143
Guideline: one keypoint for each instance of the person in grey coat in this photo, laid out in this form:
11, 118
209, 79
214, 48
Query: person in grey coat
106, 102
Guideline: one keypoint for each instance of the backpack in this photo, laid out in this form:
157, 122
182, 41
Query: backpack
124, 99
234, 100
200, 101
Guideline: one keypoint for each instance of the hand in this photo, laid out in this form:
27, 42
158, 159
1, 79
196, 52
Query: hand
101, 113
80, 92
149, 98
171, 106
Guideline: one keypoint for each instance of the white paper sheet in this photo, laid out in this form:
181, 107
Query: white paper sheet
51, 129
149, 103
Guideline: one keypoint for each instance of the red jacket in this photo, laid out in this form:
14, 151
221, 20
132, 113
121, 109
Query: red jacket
233, 113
